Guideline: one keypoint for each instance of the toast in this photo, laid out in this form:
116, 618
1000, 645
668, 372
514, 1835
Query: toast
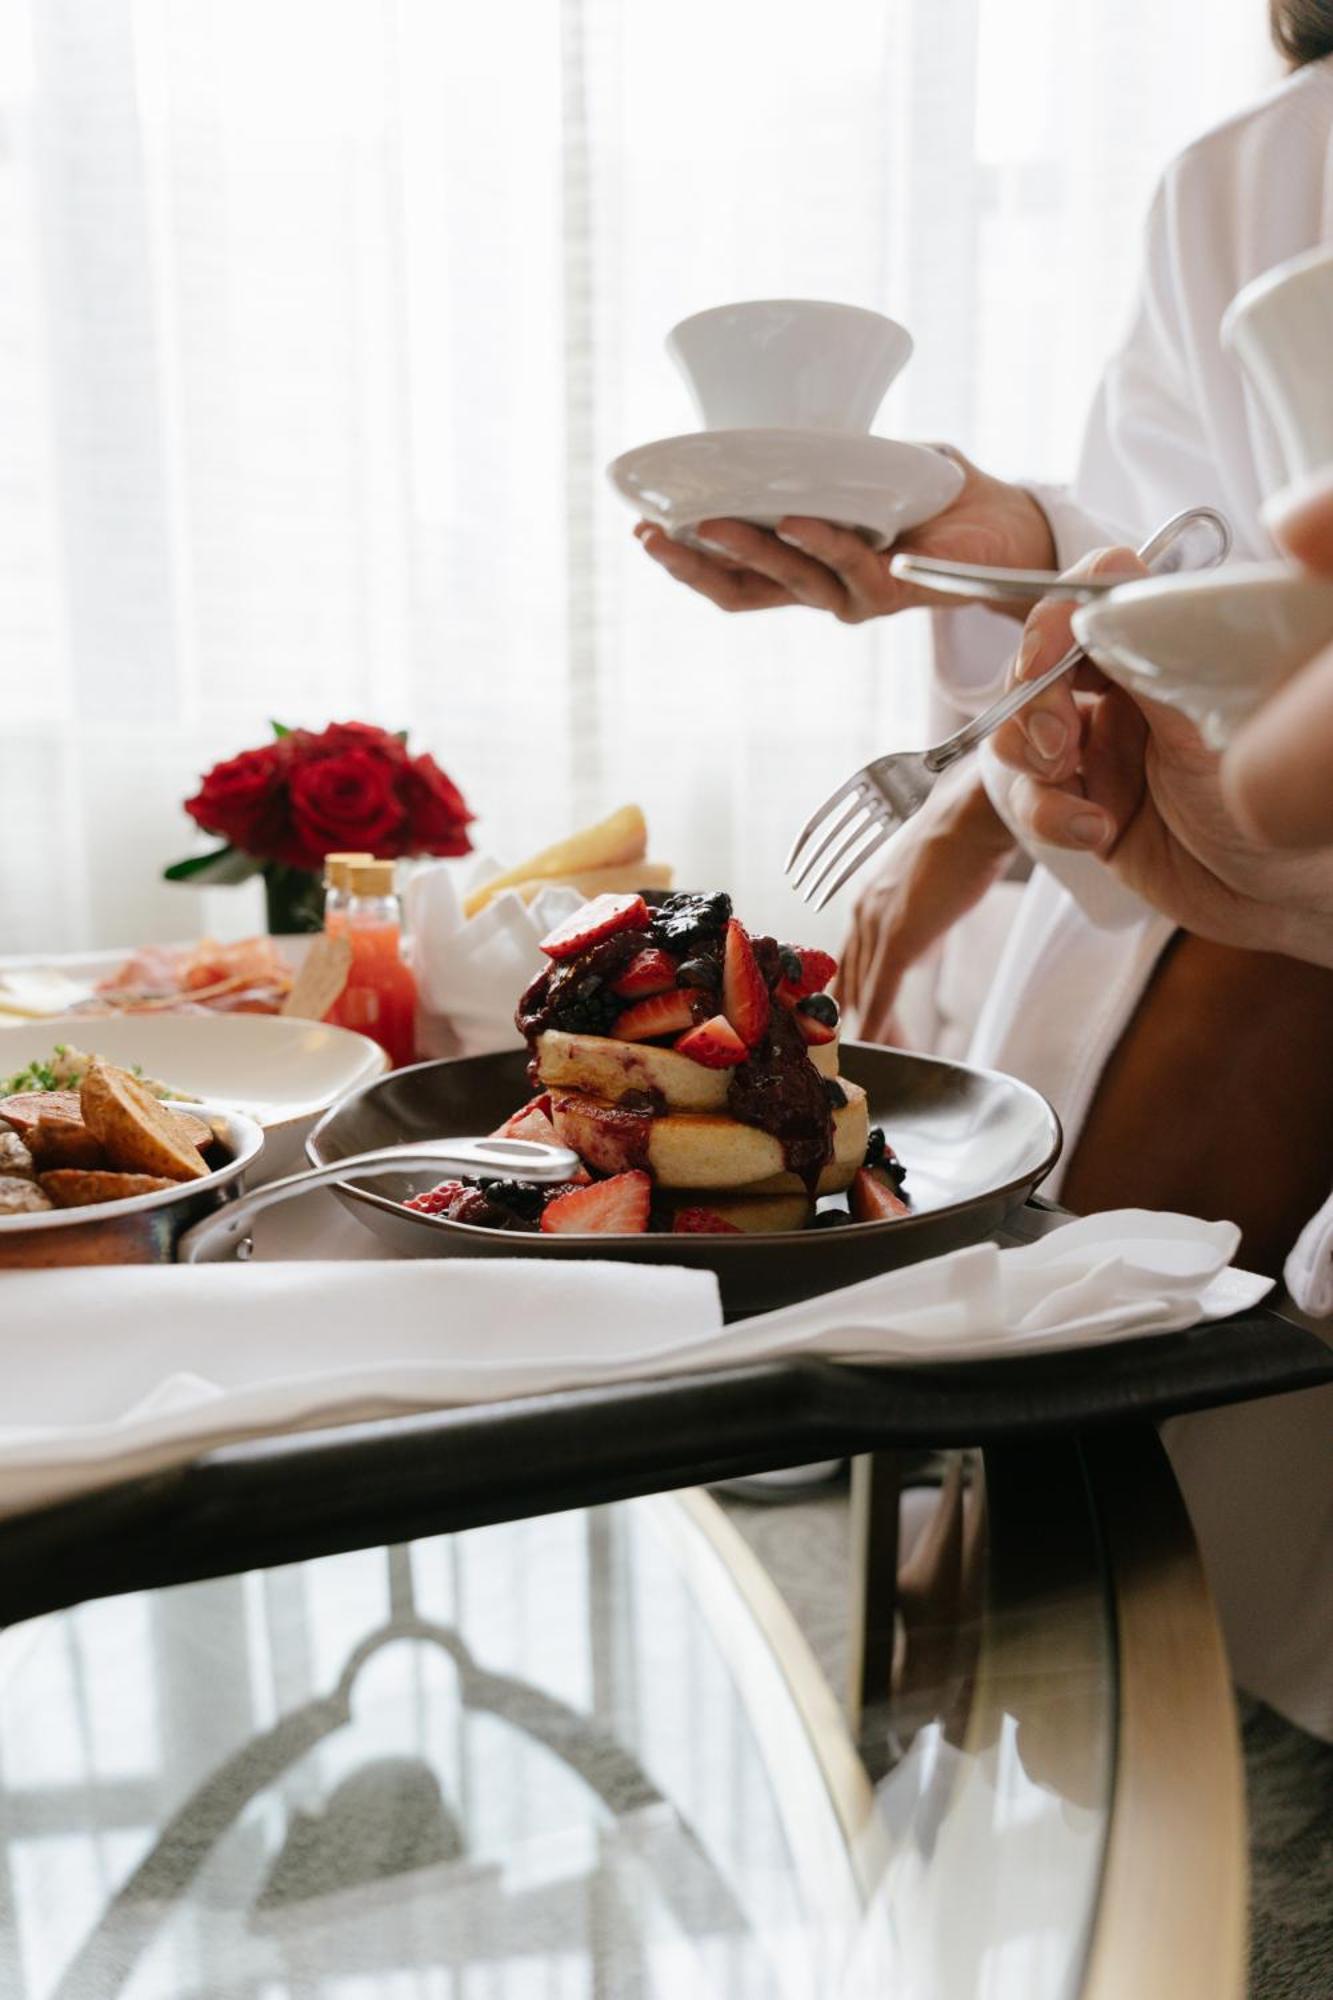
613, 842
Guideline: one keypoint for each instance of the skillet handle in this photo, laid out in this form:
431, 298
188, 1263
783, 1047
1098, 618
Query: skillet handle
226, 1232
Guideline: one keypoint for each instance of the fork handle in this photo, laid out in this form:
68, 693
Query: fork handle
1161, 556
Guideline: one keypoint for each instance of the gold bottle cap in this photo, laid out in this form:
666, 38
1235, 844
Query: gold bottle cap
371, 878
337, 866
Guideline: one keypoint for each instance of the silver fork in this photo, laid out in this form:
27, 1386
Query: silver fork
882, 796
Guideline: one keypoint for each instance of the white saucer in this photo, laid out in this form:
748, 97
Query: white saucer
875, 485
1214, 645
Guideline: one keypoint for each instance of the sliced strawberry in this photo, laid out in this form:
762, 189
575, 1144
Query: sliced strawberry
618, 1207
816, 1033
664, 1014
744, 995
434, 1201
649, 971
713, 1043
872, 1199
599, 919
702, 1222
530, 1121
817, 968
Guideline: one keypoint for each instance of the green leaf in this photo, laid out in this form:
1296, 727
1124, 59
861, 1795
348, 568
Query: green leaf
279, 729
222, 865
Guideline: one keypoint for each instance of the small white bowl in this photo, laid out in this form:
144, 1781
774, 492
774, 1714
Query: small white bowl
1214, 646
788, 363
282, 1073
875, 485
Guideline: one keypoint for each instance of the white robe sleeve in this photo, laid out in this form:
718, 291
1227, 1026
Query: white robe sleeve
1144, 445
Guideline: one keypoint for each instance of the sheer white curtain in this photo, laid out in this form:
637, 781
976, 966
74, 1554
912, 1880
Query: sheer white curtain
319, 320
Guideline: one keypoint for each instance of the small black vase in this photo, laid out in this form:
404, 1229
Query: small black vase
293, 899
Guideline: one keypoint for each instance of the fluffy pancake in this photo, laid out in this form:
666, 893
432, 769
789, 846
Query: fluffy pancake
598, 1066
702, 1149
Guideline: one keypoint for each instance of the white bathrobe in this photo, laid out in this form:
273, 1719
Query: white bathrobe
1174, 424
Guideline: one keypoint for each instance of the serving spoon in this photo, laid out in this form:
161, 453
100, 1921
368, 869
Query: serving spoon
226, 1232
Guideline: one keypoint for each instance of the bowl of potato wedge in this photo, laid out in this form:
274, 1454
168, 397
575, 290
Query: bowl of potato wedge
108, 1171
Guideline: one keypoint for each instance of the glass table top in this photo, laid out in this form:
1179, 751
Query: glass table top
586, 1755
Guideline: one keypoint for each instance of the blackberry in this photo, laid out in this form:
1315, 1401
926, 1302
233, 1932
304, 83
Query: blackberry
879, 1153
831, 1218
791, 964
524, 1200
768, 957
702, 972
686, 920
820, 1007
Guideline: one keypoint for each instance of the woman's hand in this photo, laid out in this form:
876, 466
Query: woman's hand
938, 868
831, 569
1133, 783
1277, 777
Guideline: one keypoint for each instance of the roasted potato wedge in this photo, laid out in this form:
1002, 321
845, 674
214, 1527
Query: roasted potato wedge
72, 1187
24, 1110
64, 1142
139, 1134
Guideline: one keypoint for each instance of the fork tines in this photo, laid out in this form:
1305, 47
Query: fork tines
858, 833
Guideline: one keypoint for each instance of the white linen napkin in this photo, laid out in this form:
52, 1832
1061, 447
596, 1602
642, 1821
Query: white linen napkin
471, 970
113, 1372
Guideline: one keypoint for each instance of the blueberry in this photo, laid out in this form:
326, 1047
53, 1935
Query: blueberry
875, 1145
834, 1092
791, 964
820, 1007
705, 972
831, 1218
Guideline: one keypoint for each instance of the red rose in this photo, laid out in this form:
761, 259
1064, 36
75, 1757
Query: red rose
243, 800
359, 736
437, 812
347, 800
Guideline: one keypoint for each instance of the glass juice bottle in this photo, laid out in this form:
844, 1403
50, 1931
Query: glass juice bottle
380, 996
337, 893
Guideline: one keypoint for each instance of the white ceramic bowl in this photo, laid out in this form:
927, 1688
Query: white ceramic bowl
282, 1073
872, 484
1280, 328
1215, 646
788, 363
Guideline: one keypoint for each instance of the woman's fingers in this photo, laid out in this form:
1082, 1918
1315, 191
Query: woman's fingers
1045, 738
731, 589
1060, 816
805, 580
869, 590
1301, 522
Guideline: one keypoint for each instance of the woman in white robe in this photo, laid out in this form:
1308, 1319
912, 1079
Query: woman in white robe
1172, 425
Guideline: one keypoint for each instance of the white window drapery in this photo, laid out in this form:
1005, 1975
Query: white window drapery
319, 320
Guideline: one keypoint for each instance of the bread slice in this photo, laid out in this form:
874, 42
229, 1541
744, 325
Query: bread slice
612, 843
600, 1066
138, 1133
702, 1149
599, 881
762, 1215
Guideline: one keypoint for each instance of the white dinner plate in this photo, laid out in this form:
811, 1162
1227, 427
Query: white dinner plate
876, 485
283, 1073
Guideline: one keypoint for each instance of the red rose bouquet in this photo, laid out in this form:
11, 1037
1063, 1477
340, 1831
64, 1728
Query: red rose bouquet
282, 807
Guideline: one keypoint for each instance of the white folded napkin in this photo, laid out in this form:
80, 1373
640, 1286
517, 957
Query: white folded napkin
114, 1372
471, 970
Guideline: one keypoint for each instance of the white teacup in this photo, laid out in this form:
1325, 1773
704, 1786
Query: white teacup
1214, 646
788, 364
1280, 328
